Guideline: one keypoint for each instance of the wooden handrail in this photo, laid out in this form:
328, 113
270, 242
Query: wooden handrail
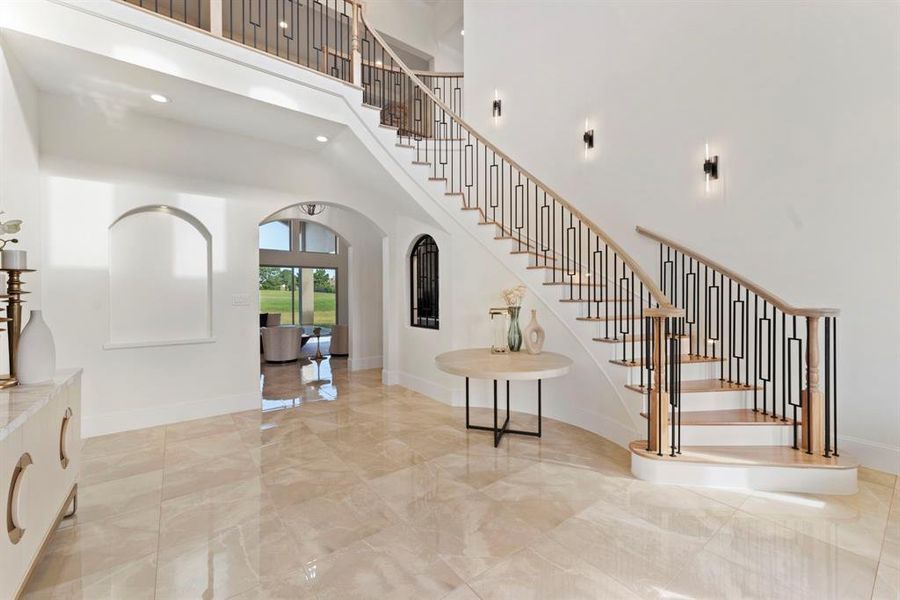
753, 287
374, 65
438, 74
642, 275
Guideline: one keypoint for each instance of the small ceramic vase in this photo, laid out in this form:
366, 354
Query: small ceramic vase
534, 335
37, 352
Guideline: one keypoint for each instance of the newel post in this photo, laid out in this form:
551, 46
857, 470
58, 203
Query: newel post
658, 401
813, 410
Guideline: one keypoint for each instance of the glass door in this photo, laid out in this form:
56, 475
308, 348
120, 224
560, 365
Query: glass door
279, 292
301, 295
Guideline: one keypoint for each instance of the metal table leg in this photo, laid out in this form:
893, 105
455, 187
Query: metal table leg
501, 430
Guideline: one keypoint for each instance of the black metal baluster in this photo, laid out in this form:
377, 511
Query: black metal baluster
827, 387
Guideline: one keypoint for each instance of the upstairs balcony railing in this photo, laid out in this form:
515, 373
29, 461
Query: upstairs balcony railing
316, 34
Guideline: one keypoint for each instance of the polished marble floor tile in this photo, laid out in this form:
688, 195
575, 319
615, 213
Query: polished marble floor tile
548, 570
227, 563
890, 549
203, 514
140, 440
134, 579
794, 559
393, 563
92, 549
856, 522
236, 466
887, 583
348, 488
198, 428
117, 496
709, 576
99, 468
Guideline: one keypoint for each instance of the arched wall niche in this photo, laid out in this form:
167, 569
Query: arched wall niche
160, 278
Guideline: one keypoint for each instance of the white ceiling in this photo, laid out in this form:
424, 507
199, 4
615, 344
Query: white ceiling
117, 86
110, 85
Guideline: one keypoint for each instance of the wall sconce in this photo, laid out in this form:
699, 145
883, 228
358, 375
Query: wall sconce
588, 138
710, 168
497, 106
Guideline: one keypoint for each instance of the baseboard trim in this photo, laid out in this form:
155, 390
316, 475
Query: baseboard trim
127, 420
873, 455
424, 386
365, 362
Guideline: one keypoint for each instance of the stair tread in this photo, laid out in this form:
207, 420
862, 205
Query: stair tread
533, 253
574, 284
699, 386
610, 318
776, 456
627, 338
730, 416
598, 301
686, 359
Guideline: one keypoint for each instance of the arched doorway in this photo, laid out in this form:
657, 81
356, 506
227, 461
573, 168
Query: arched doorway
320, 302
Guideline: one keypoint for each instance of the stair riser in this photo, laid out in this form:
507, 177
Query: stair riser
709, 401
746, 435
688, 371
615, 350
808, 480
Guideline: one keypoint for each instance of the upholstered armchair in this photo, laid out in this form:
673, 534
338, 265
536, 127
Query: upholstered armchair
281, 344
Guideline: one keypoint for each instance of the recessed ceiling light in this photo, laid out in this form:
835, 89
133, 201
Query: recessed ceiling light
462, 32
283, 24
159, 98
321, 138
378, 63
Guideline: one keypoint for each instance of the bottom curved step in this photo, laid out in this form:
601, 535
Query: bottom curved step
765, 468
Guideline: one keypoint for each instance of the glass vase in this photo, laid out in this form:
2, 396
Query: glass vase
515, 332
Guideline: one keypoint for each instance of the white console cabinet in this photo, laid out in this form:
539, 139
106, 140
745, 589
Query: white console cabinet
40, 451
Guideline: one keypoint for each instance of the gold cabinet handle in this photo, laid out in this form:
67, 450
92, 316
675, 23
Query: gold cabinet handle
63, 438
13, 527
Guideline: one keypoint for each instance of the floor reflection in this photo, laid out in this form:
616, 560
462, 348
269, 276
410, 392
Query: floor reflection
286, 385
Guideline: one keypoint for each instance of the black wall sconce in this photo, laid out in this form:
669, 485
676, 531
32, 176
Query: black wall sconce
710, 168
588, 138
497, 107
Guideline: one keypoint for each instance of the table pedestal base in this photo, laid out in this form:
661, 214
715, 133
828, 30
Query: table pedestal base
499, 431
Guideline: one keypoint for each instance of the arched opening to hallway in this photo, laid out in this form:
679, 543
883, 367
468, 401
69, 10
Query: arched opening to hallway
320, 313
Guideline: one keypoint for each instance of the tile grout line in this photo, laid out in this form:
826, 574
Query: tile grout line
894, 497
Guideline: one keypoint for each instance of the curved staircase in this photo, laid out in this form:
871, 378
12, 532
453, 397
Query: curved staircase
731, 385
686, 362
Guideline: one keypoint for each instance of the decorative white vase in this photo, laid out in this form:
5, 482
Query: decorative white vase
534, 335
37, 352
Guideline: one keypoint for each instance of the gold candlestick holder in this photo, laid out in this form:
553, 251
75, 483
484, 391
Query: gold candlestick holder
13, 296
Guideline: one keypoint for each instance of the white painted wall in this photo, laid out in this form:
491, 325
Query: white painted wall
159, 277
94, 170
432, 28
90, 184
19, 175
471, 281
798, 99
